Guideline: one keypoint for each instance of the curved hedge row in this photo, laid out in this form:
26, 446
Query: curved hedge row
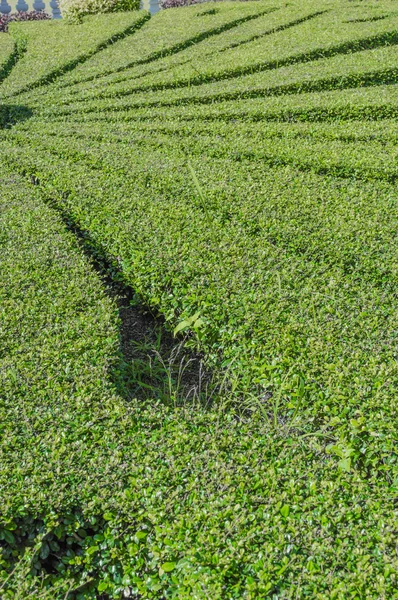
235, 164
53, 48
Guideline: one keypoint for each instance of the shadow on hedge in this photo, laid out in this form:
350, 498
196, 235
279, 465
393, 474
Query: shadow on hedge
11, 114
152, 363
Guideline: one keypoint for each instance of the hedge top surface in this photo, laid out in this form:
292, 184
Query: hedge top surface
255, 24
53, 47
158, 500
58, 334
246, 190
170, 33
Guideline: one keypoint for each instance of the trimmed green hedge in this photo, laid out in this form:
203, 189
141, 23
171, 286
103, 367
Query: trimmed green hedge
257, 213
154, 499
182, 278
258, 20
55, 47
119, 497
75, 10
369, 67
170, 34
324, 34
58, 340
360, 104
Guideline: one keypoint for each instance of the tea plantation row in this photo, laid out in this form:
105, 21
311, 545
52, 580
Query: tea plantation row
235, 165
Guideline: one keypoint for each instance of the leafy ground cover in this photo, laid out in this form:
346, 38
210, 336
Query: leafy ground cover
53, 48
169, 36
315, 34
234, 165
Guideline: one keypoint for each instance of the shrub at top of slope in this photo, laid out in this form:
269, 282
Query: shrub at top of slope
53, 47
74, 10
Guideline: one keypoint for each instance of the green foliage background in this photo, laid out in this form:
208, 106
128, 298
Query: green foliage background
235, 165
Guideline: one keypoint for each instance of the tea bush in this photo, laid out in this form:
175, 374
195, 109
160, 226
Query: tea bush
168, 35
234, 165
75, 10
53, 48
